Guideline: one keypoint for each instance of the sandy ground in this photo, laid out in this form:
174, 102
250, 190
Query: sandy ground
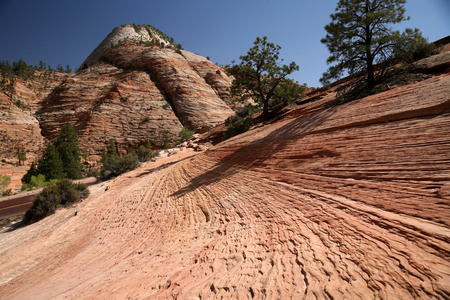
346, 203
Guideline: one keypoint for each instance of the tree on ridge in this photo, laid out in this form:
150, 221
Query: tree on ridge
261, 77
360, 37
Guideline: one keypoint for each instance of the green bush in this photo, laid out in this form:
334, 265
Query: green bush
115, 165
242, 121
185, 133
4, 182
166, 138
144, 153
60, 159
62, 193
38, 181
237, 125
414, 47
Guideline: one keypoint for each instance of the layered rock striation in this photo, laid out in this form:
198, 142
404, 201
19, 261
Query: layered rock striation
196, 88
137, 87
104, 102
346, 202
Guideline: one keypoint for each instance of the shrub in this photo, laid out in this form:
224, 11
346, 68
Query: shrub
62, 193
414, 47
237, 125
115, 165
185, 133
165, 136
38, 181
242, 121
4, 182
144, 153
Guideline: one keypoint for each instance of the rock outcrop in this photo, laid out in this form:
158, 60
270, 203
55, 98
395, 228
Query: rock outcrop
145, 34
137, 87
196, 88
104, 102
346, 202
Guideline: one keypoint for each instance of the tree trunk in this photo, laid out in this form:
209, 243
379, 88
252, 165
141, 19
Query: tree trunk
370, 72
266, 109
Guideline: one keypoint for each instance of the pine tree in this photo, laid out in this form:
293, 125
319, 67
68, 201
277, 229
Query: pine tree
261, 77
360, 37
67, 147
50, 165
21, 155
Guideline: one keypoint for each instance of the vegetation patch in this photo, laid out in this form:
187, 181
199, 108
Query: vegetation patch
242, 121
4, 183
60, 194
185, 133
113, 164
364, 45
60, 159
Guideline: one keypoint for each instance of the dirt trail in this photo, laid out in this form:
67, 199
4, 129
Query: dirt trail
347, 203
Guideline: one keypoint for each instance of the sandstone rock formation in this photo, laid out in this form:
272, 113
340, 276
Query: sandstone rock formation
193, 85
347, 202
145, 34
146, 87
104, 102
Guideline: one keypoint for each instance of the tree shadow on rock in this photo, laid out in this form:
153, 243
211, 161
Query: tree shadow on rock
256, 154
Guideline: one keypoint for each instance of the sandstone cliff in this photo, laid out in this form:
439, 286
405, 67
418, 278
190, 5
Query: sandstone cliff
136, 84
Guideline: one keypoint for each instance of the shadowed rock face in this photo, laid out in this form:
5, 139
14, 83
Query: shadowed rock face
347, 202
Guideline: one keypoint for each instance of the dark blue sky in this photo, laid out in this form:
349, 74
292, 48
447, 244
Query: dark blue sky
67, 31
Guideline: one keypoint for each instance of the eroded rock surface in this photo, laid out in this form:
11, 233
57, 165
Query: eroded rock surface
105, 102
349, 202
137, 88
195, 87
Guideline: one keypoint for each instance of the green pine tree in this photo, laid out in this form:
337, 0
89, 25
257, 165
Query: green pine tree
362, 41
261, 76
68, 149
51, 165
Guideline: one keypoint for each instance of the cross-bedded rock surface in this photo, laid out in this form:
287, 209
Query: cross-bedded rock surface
350, 202
145, 92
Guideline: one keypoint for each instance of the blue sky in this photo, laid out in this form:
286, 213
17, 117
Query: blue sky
66, 32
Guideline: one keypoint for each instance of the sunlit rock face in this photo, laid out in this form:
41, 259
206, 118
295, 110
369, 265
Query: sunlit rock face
136, 84
348, 202
196, 88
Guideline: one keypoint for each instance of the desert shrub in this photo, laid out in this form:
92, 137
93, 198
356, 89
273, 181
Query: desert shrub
37, 181
115, 165
62, 193
144, 153
4, 182
185, 133
242, 121
284, 95
166, 138
32, 171
237, 125
414, 47
92, 171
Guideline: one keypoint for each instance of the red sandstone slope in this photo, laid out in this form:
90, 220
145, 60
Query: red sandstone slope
349, 202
